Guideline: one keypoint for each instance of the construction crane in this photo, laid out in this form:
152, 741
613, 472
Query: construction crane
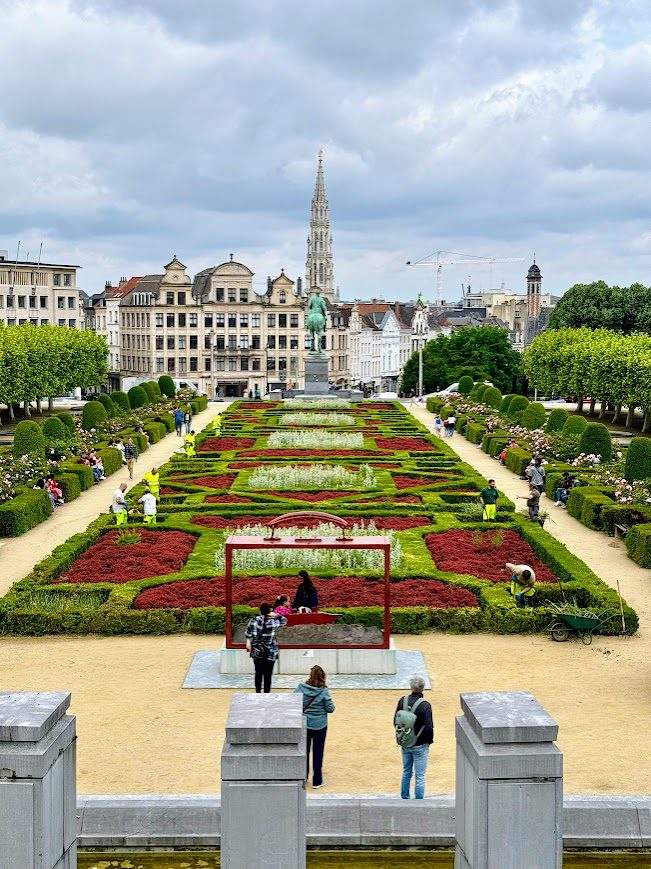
448, 258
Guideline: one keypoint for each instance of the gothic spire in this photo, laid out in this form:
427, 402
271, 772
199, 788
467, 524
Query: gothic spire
318, 265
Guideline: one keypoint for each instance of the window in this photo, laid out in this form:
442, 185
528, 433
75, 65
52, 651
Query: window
170, 363
308, 342
159, 320
11, 322
56, 279
207, 343
271, 321
282, 321
207, 321
220, 364
194, 342
244, 320
255, 364
282, 298
220, 342
170, 321
206, 363
194, 321
219, 321
169, 298
72, 323
271, 342
271, 363
282, 342
159, 342
255, 342
232, 321
182, 320
232, 342
244, 295
66, 280
244, 363
71, 301
232, 295
61, 302
255, 321
180, 298
219, 294
22, 322
293, 363
282, 363
61, 322
32, 302
170, 342
293, 342
10, 301
44, 322
182, 342
232, 364
194, 363
244, 342
159, 363
42, 301
33, 322
182, 366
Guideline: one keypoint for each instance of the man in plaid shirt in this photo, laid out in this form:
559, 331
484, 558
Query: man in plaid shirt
262, 646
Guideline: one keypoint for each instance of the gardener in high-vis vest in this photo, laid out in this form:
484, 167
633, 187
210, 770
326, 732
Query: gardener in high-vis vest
188, 443
489, 497
152, 479
217, 425
523, 581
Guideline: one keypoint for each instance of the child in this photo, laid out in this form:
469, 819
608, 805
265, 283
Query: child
56, 494
438, 425
282, 607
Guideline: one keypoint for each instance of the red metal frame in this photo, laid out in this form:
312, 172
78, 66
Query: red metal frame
381, 544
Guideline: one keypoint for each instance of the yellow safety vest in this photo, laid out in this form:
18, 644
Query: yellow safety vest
153, 481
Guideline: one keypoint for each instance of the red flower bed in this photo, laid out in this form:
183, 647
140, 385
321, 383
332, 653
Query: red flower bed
384, 523
396, 499
340, 592
227, 499
309, 454
244, 466
222, 445
376, 407
222, 481
156, 554
167, 490
404, 482
412, 444
311, 497
483, 554
261, 405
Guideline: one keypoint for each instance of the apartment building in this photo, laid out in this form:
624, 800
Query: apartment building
39, 293
381, 341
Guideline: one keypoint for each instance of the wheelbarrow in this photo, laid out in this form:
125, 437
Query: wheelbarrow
581, 625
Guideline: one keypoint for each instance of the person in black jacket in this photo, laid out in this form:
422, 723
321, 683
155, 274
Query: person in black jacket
306, 598
414, 760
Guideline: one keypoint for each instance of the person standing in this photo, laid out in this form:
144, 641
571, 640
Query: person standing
451, 422
187, 419
306, 598
523, 581
178, 421
131, 455
217, 426
533, 502
148, 502
119, 445
188, 443
536, 474
438, 426
152, 478
119, 505
317, 705
489, 498
262, 646
414, 726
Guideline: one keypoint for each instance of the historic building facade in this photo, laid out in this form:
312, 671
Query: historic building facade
39, 293
318, 264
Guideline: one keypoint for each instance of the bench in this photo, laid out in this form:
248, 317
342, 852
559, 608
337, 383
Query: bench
621, 530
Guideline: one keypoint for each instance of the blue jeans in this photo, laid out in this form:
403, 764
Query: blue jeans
414, 760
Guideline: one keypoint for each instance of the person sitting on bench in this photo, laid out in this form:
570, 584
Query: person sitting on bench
306, 598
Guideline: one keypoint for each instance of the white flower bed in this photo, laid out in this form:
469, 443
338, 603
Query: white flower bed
312, 560
317, 403
325, 419
315, 440
323, 477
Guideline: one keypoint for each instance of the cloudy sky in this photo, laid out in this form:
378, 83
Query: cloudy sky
131, 131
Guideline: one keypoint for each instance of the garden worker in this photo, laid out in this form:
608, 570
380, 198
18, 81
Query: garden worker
217, 425
438, 425
188, 443
533, 502
306, 598
317, 705
262, 646
178, 420
119, 505
131, 455
488, 498
414, 728
152, 478
187, 419
148, 502
523, 580
536, 474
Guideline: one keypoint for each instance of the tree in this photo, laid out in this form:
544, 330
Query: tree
109, 407
557, 419
534, 416
597, 305
492, 397
54, 429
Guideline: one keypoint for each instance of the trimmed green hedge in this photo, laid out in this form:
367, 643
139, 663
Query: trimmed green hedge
121, 400
596, 440
577, 496
109, 407
156, 431
475, 432
575, 425
111, 459
83, 473
54, 429
466, 385
93, 415
534, 416
506, 402
68, 420
29, 440
620, 514
479, 391
26, 510
434, 404
152, 398
70, 486
557, 419
593, 503
638, 544
637, 465
137, 397
492, 397
517, 460
166, 385
517, 406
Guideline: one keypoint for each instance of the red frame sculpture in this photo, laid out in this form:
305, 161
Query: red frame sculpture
382, 544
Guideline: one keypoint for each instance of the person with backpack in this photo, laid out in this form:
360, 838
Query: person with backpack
306, 598
262, 646
178, 420
317, 705
414, 728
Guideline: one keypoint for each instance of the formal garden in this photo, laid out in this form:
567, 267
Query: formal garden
370, 463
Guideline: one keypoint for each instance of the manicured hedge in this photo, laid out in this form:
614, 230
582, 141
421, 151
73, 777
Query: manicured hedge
534, 416
151, 394
638, 544
121, 400
479, 390
68, 420
506, 402
139, 440
557, 419
70, 486
596, 440
517, 460
466, 385
156, 431
83, 473
54, 429
593, 503
620, 514
111, 459
434, 404
577, 496
93, 415
29, 440
517, 406
575, 425
637, 465
492, 397
137, 397
166, 385
475, 432
26, 510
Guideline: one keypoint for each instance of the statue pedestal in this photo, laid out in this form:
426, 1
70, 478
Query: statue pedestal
316, 375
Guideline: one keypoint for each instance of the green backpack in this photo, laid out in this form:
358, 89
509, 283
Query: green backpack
405, 723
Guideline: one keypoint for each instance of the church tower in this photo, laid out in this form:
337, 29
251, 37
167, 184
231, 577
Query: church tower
318, 265
534, 281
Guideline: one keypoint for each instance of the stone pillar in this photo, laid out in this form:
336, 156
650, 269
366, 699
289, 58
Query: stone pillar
38, 792
263, 783
316, 375
509, 790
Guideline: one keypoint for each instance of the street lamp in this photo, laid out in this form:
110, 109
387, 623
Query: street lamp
420, 368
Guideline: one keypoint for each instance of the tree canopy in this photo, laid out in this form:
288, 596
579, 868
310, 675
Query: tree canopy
597, 305
484, 353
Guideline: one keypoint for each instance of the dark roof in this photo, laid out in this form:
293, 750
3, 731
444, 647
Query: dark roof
124, 290
534, 271
201, 284
24, 262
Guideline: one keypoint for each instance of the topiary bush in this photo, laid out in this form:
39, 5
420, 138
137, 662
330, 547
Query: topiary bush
557, 419
166, 385
596, 440
638, 544
83, 473
70, 486
26, 510
137, 397
466, 385
68, 420
517, 460
506, 401
109, 407
434, 403
121, 401
111, 459
29, 440
480, 390
475, 432
157, 390
637, 465
533, 416
517, 406
575, 425
149, 390
54, 429
492, 397
93, 415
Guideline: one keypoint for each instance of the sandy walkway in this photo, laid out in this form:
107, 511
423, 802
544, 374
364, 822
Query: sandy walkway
18, 555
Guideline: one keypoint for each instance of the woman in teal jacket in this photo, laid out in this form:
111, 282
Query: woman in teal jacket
317, 705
